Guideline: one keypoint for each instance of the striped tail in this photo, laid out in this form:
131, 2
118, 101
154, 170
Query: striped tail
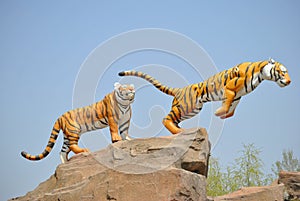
156, 83
51, 142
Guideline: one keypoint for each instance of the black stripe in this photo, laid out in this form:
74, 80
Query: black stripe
171, 117
37, 157
202, 93
271, 73
180, 109
252, 74
88, 113
71, 123
236, 80
207, 89
176, 119
245, 84
215, 90
119, 95
259, 79
124, 124
225, 77
72, 130
212, 97
96, 112
167, 90
102, 122
282, 82
245, 81
122, 131
220, 78
54, 136
45, 153
186, 103
191, 97
237, 99
122, 73
78, 117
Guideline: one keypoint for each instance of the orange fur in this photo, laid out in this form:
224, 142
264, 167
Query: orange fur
113, 111
227, 86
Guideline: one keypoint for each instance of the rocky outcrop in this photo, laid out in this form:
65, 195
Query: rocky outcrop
287, 187
263, 193
169, 168
291, 181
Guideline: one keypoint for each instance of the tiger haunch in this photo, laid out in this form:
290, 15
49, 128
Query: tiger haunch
114, 111
227, 86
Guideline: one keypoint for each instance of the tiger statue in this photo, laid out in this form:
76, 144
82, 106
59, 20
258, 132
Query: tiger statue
113, 111
227, 86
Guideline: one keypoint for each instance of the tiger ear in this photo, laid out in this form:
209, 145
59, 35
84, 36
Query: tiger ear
131, 85
271, 61
117, 85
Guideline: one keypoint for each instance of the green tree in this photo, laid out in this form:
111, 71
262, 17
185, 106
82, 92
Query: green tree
230, 180
215, 178
248, 168
288, 163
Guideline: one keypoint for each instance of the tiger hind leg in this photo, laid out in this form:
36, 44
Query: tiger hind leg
65, 150
73, 139
171, 126
172, 120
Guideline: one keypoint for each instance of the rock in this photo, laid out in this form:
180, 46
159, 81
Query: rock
169, 168
263, 193
291, 180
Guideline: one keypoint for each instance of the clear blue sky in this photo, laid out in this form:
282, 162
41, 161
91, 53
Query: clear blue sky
44, 44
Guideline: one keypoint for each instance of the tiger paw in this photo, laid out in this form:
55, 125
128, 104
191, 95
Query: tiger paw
115, 138
221, 112
227, 115
128, 138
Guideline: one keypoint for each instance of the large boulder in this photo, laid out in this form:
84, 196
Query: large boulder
162, 168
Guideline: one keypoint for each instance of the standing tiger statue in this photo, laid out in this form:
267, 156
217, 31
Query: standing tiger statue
113, 111
227, 86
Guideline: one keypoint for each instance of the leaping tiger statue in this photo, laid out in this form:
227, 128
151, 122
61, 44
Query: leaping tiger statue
227, 86
113, 111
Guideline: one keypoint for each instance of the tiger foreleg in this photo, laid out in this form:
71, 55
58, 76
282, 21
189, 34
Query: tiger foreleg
232, 108
124, 134
230, 91
64, 157
113, 128
224, 109
123, 128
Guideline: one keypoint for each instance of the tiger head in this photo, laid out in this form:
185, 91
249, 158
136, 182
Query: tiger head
276, 72
124, 93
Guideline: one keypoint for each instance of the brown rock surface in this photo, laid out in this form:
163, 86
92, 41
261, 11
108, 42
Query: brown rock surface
291, 180
263, 193
158, 169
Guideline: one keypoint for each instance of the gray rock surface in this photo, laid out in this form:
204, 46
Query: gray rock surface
169, 168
